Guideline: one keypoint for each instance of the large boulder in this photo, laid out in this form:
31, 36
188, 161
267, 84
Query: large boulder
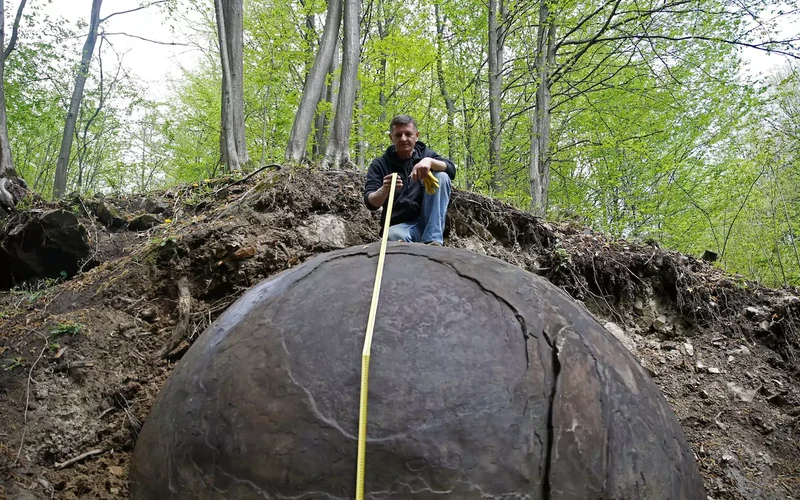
486, 381
41, 244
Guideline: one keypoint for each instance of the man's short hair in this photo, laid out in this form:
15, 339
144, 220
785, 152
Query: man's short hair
401, 120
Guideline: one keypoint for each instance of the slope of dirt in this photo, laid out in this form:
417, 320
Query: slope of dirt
81, 360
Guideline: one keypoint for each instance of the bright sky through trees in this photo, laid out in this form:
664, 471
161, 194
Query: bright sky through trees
154, 63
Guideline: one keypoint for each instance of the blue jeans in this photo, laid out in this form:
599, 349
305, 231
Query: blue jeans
429, 227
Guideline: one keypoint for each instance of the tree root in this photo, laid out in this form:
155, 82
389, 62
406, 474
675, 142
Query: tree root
184, 318
12, 190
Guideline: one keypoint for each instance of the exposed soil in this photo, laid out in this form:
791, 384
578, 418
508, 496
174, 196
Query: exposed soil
81, 359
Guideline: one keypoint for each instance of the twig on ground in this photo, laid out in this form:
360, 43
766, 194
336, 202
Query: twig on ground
84, 456
63, 367
96, 240
246, 177
28, 400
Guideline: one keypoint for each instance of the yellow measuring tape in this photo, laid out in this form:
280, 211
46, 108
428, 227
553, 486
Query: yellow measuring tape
373, 309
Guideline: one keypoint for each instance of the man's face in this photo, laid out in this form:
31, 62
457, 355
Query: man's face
404, 137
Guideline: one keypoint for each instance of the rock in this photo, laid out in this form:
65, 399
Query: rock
325, 231
143, 222
730, 358
659, 322
669, 345
116, 471
790, 300
766, 458
728, 458
709, 256
742, 351
106, 213
715, 371
154, 206
638, 306
473, 244
149, 314
741, 393
700, 366
463, 400
42, 244
688, 349
754, 313
620, 335
778, 399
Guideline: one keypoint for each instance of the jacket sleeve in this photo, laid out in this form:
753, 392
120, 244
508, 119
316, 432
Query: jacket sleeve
450, 170
373, 182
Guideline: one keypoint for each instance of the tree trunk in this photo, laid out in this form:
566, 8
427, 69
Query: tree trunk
540, 128
448, 101
384, 23
228, 143
337, 152
298, 139
60, 181
362, 143
323, 119
12, 187
234, 40
495, 91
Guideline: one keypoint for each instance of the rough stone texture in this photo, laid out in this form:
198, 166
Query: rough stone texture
620, 335
326, 231
41, 244
155, 206
143, 222
106, 213
485, 382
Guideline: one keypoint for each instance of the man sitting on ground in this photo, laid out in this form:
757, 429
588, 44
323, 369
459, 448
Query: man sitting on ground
416, 215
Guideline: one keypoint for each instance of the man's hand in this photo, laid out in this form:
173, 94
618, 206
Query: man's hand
421, 169
377, 197
387, 184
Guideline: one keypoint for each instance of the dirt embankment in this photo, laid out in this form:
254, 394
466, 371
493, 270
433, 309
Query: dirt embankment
82, 358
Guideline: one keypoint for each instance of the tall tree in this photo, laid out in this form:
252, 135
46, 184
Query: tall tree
230, 21
60, 181
539, 169
12, 187
338, 151
448, 101
497, 17
228, 136
315, 83
327, 101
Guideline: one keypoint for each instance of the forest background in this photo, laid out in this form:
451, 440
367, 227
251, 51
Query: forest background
638, 118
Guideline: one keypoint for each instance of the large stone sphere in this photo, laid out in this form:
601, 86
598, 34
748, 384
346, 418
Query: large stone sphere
486, 381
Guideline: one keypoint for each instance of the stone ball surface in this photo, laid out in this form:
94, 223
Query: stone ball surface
486, 381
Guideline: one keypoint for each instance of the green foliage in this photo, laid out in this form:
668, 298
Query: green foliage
67, 328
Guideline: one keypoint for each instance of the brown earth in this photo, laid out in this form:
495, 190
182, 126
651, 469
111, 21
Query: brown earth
81, 359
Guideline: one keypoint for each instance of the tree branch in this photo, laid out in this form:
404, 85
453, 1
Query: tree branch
132, 10
148, 39
12, 42
764, 46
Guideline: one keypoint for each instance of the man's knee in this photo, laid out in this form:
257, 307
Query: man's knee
443, 178
399, 233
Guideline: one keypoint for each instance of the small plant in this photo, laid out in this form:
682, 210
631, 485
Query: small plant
562, 256
25, 204
16, 362
67, 328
